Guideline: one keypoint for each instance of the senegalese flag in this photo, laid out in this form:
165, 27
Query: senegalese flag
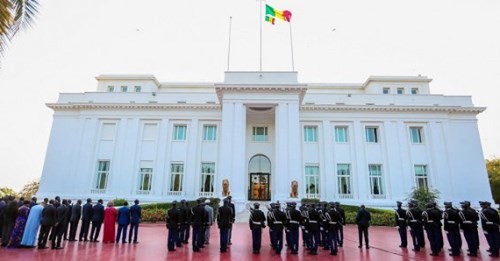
272, 13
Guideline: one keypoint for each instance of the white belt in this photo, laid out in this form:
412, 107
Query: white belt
401, 219
294, 222
332, 223
489, 223
467, 222
413, 221
277, 222
256, 223
430, 221
313, 221
451, 222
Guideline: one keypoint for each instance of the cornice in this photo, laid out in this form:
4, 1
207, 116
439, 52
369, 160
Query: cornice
252, 88
135, 106
382, 108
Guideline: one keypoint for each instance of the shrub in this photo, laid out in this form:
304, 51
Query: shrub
156, 212
119, 201
423, 196
310, 200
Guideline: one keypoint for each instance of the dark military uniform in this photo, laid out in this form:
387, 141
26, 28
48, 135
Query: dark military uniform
342, 222
278, 226
468, 223
257, 223
313, 227
224, 221
432, 223
173, 226
293, 223
199, 218
400, 216
451, 226
333, 220
270, 220
323, 226
490, 222
303, 224
414, 217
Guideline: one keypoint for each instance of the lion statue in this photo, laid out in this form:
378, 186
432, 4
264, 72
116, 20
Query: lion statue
294, 189
225, 188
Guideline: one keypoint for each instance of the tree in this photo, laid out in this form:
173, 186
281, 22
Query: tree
14, 16
423, 195
7, 192
493, 168
30, 189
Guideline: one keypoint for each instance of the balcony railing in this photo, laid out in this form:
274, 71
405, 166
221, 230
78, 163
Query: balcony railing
346, 196
206, 194
378, 196
175, 193
97, 191
143, 192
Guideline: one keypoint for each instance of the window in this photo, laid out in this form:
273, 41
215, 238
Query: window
371, 134
102, 174
401, 90
150, 131
145, 178
108, 131
180, 132
310, 134
137, 88
176, 173
344, 178
312, 181
111, 88
259, 134
376, 179
124, 88
209, 132
414, 91
416, 134
341, 134
421, 176
207, 177
386, 90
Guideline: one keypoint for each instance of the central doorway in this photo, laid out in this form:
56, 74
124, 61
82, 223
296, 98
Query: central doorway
259, 174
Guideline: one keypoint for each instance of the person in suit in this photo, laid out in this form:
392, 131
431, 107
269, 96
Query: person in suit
224, 223
135, 218
173, 226
97, 219
86, 217
123, 222
10, 217
199, 218
3, 207
76, 213
47, 222
363, 219
69, 205
33, 202
183, 220
400, 216
233, 218
210, 212
60, 225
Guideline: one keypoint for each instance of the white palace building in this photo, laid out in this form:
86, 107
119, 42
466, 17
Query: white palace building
266, 136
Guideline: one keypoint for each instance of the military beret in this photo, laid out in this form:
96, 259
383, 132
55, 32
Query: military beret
414, 202
256, 204
337, 203
447, 203
465, 202
399, 202
429, 205
174, 202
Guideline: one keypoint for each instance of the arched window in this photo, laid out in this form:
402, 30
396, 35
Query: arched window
259, 164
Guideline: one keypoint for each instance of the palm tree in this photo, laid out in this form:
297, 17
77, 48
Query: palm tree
14, 16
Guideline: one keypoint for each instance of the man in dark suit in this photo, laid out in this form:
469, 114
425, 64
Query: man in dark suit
86, 217
173, 226
47, 221
233, 218
123, 221
363, 219
76, 213
224, 218
400, 217
135, 218
199, 218
60, 225
97, 219
70, 211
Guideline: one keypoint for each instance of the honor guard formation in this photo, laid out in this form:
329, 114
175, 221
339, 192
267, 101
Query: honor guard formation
321, 225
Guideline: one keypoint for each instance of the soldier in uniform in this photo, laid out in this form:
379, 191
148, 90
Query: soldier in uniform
233, 218
414, 217
173, 226
451, 221
468, 223
333, 219
199, 218
303, 223
490, 222
257, 222
224, 220
323, 225
187, 222
270, 220
400, 215
294, 218
278, 225
341, 225
182, 223
432, 223
287, 230
313, 229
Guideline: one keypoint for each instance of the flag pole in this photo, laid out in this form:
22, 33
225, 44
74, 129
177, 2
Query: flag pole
260, 32
229, 46
291, 45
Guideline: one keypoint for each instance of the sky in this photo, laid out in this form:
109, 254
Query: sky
454, 42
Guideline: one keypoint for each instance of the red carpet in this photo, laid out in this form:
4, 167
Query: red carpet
153, 246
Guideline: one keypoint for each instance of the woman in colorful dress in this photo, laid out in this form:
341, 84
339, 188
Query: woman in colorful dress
110, 215
10, 216
17, 232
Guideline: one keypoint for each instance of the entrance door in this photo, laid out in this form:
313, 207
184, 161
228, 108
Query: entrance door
259, 175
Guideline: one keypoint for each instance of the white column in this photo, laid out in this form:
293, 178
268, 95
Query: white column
192, 162
288, 153
360, 173
327, 171
232, 150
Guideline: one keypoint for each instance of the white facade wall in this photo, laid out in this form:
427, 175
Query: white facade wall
135, 131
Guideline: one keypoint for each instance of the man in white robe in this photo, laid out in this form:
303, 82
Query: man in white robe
32, 225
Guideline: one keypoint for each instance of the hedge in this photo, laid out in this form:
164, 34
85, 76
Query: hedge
157, 212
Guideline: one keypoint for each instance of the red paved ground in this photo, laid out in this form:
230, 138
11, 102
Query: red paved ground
152, 237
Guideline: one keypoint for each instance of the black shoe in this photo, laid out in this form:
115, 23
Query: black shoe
434, 254
367, 247
230, 243
472, 254
493, 255
402, 246
333, 254
136, 242
360, 246
171, 250
42, 247
416, 249
124, 242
